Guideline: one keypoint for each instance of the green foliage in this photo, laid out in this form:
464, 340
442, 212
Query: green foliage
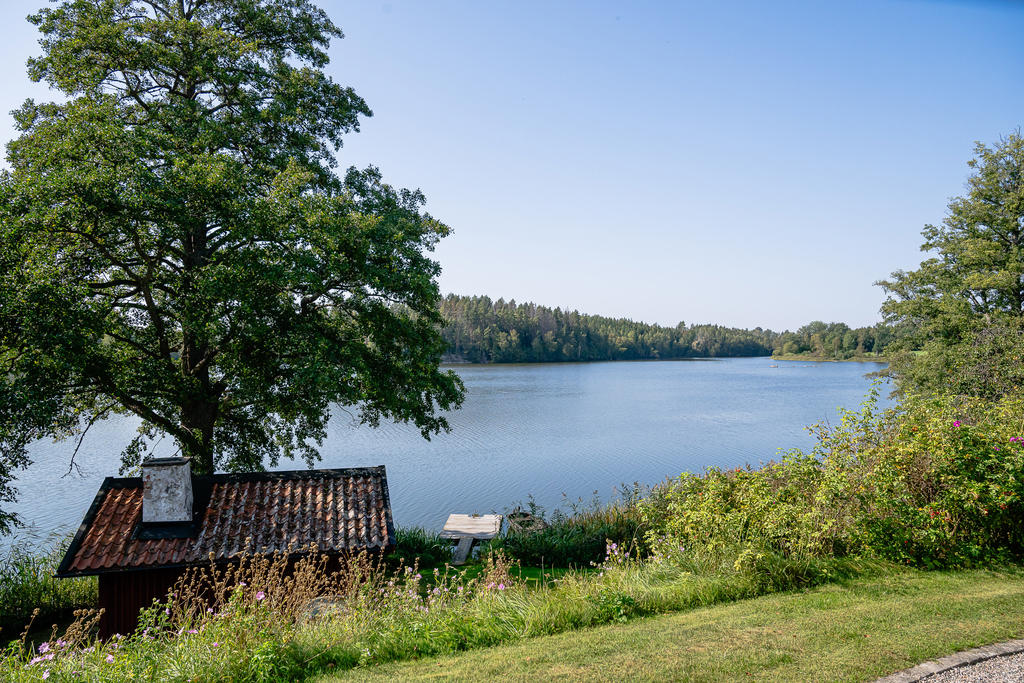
426, 548
936, 482
946, 488
481, 330
835, 341
988, 362
175, 243
27, 584
578, 537
974, 281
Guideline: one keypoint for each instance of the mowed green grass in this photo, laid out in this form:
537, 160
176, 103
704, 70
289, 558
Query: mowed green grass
853, 631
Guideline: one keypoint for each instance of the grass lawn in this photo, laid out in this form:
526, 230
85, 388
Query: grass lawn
853, 631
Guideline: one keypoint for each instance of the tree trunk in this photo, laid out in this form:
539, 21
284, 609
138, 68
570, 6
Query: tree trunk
198, 418
200, 405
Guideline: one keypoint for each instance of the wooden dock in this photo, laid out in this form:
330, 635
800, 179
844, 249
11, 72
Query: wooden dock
469, 528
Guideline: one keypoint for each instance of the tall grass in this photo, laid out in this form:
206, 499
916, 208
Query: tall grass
27, 584
577, 536
266, 620
418, 544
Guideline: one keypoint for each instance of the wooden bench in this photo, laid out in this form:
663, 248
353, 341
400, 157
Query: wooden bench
469, 528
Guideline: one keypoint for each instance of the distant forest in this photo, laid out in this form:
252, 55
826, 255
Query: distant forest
481, 330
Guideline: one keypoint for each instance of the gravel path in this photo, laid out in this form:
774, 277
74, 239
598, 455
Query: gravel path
998, 662
1005, 669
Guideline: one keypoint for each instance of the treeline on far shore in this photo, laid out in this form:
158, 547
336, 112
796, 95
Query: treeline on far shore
482, 330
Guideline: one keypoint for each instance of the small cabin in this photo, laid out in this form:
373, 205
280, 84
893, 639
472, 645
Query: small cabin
141, 534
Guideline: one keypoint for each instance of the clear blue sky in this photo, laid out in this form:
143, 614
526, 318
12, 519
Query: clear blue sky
747, 163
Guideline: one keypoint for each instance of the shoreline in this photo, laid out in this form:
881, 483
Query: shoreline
462, 362
793, 357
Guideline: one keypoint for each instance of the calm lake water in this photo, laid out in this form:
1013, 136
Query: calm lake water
545, 430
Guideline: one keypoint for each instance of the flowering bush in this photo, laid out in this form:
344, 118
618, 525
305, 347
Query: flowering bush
944, 487
936, 482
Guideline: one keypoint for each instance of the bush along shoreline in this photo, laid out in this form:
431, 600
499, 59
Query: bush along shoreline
935, 483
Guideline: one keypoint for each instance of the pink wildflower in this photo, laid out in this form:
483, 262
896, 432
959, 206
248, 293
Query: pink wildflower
260, 596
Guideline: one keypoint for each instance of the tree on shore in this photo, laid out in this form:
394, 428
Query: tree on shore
176, 243
965, 304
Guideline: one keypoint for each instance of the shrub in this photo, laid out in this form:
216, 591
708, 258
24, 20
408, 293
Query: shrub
944, 488
936, 482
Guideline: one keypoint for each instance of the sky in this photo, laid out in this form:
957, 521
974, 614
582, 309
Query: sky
742, 163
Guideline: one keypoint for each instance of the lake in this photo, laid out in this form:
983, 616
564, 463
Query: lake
541, 430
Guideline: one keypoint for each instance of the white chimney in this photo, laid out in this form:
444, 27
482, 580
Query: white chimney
166, 490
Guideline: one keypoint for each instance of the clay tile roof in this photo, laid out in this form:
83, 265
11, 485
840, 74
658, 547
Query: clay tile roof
339, 510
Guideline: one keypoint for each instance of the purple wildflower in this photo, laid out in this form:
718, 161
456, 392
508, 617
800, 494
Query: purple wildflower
110, 658
260, 596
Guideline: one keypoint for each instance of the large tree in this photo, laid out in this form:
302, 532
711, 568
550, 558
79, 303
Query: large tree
973, 285
177, 245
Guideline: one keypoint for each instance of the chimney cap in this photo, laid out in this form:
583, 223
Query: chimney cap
172, 460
